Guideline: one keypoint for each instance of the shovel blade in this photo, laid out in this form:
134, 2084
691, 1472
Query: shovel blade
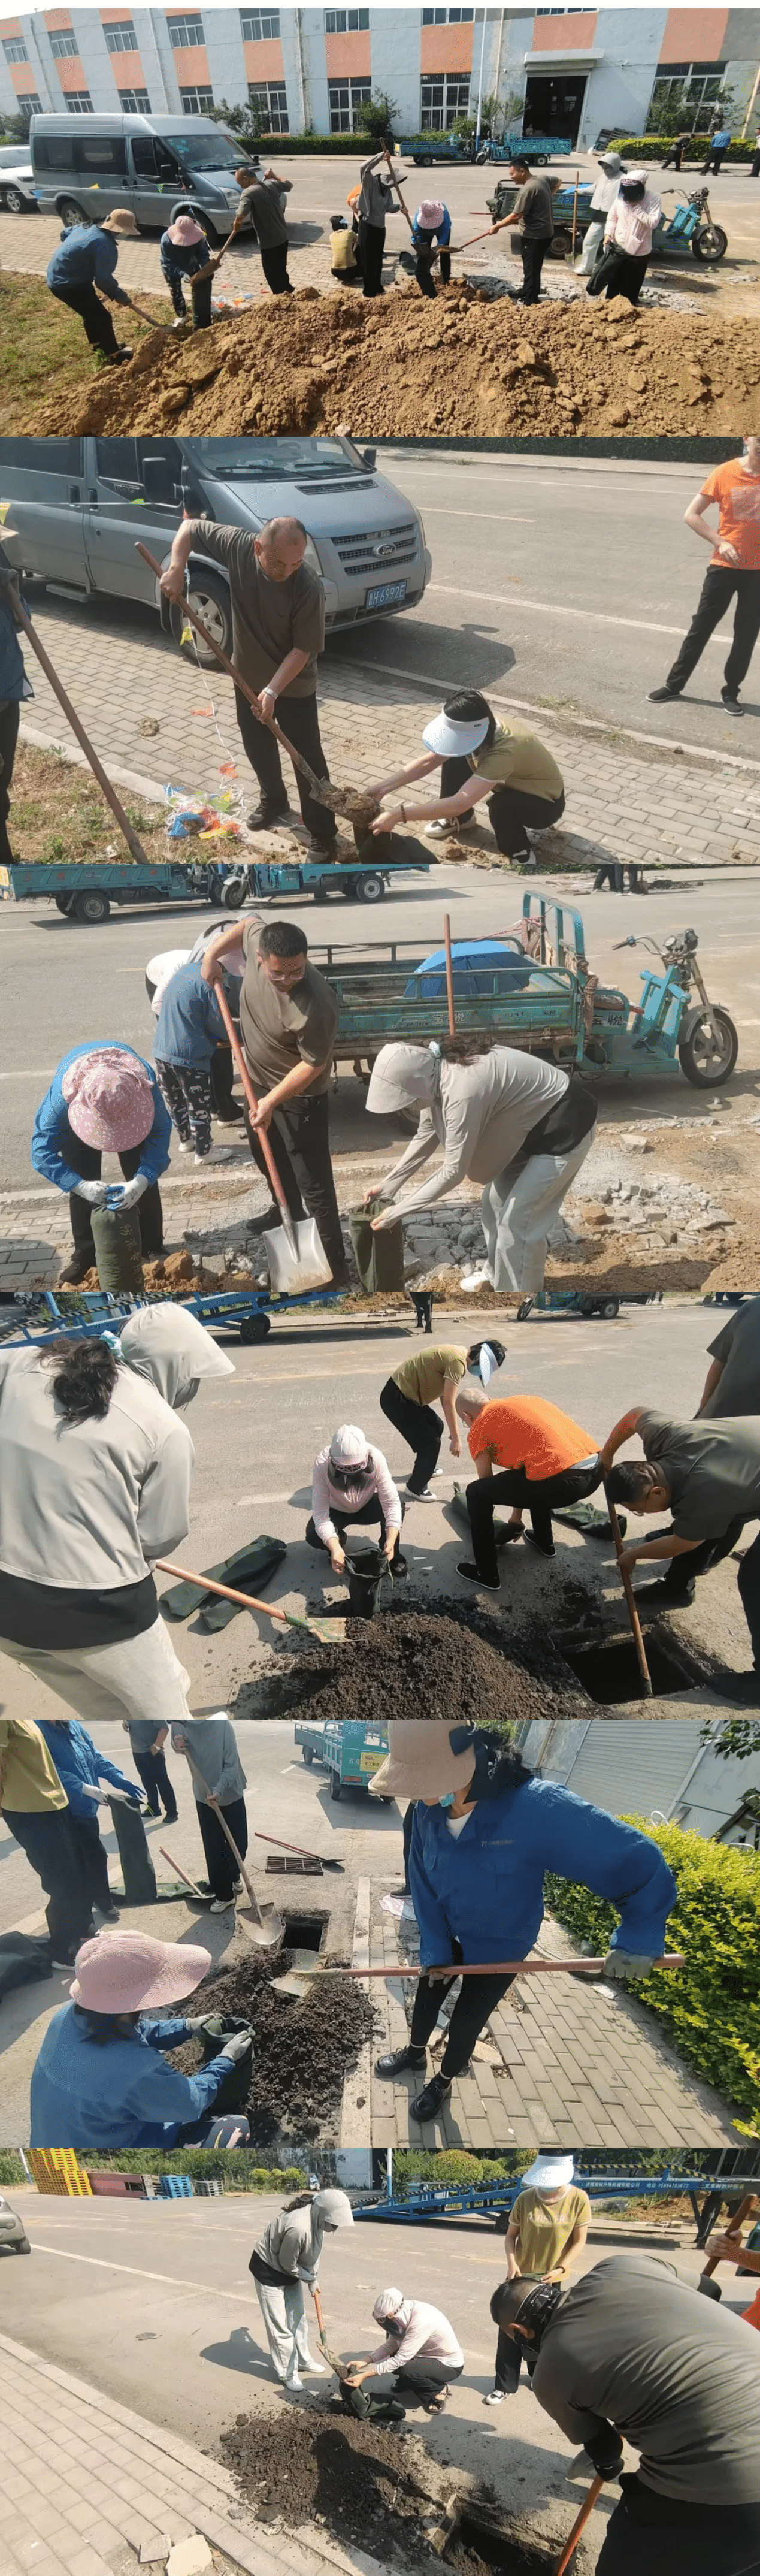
296, 1982
296, 1259
269, 1933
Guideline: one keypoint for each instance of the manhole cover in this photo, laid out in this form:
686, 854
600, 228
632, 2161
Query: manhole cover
283, 1867
611, 1673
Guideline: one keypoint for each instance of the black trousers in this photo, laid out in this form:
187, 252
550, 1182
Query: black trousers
660, 2533
55, 1857
672, 159
754, 167
200, 293
371, 1513
221, 1864
10, 717
424, 270
275, 266
408, 1828
300, 1141
419, 1426
95, 316
509, 809
538, 1495
477, 1998
420, 2381
720, 584
299, 719
85, 1160
618, 274
222, 1073
509, 2360
94, 1860
152, 1771
371, 248
533, 256
715, 161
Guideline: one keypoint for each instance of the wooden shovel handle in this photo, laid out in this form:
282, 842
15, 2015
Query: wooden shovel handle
242, 1068
630, 1599
245, 1600
220, 1814
571, 2543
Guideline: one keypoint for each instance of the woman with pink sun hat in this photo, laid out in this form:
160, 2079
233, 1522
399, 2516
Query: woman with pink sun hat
103, 1100
431, 232
185, 252
101, 2078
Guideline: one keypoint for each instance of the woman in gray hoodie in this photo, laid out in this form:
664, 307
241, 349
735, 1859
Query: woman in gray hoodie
287, 2255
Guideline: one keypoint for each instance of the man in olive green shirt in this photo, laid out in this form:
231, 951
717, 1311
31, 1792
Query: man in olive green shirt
36, 1811
288, 1020
278, 629
430, 1377
480, 758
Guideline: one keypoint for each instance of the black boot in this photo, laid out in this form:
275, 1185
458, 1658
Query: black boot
265, 814
400, 2059
663, 1596
431, 2100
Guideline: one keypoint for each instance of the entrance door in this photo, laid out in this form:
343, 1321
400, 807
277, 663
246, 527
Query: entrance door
554, 104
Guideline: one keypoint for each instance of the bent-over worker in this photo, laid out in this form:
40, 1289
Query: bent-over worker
548, 2225
288, 1021
287, 2256
708, 1474
521, 1127
420, 2353
185, 251
631, 2351
84, 260
431, 232
212, 1744
103, 1099
527, 1453
278, 630
485, 1832
378, 198
260, 206
101, 2079
352, 1487
479, 757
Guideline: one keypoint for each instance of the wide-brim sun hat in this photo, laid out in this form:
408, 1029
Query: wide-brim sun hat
123, 1972
420, 1761
453, 741
109, 1098
185, 231
548, 2173
121, 220
432, 212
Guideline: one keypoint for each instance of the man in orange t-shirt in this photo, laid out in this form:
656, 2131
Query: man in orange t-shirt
527, 1453
734, 568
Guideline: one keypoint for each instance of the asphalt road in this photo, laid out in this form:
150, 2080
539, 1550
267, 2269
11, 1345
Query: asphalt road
153, 2305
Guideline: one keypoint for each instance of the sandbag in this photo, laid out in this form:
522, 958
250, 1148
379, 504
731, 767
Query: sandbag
459, 1506
247, 1571
379, 1257
371, 2410
118, 1250
394, 849
235, 2089
134, 1853
23, 1961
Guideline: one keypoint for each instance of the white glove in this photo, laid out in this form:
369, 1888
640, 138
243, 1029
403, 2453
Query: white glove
624, 1964
237, 2045
132, 1192
95, 1192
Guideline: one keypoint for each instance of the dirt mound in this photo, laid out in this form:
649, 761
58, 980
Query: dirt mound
301, 2051
409, 1664
368, 2485
312, 363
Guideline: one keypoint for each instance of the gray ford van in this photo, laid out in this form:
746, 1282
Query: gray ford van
73, 508
84, 166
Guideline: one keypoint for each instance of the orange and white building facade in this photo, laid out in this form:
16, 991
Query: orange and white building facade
561, 70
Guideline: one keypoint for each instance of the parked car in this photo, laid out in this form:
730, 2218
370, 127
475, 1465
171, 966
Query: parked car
74, 512
17, 190
84, 166
12, 2230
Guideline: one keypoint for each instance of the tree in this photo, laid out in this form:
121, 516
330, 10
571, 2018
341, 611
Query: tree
374, 116
249, 121
739, 1736
16, 128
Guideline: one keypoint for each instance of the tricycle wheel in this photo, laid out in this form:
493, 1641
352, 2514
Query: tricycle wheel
233, 891
370, 889
254, 1328
704, 1061
63, 902
91, 905
524, 1310
607, 1307
561, 242
335, 1784
711, 245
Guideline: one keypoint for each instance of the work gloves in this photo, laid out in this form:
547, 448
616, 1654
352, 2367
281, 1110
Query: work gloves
134, 1189
95, 1192
621, 1965
605, 2451
195, 2021
238, 2046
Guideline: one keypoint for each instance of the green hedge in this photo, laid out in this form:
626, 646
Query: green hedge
11, 2168
653, 147
711, 2008
238, 2167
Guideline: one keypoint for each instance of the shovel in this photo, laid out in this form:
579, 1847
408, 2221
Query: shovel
328, 1632
182, 1873
300, 1853
267, 1927
297, 1260
571, 2543
338, 2366
641, 1657
297, 1981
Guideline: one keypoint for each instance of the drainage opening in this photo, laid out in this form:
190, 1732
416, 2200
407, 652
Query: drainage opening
477, 2545
611, 1673
281, 1866
303, 1932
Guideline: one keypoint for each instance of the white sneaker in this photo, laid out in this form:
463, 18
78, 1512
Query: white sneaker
186, 1145
317, 2368
477, 1279
218, 1154
424, 1497
297, 2384
438, 831
222, 1905
495, 2397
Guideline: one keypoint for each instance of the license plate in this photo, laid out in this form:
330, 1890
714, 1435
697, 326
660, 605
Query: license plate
387, 596
371, 1761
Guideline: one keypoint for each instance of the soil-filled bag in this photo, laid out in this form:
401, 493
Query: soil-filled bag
134, 1853
379, 1257
394, 849
368, 1570
118, 1250
236, 2086
247, 1571
23, 1961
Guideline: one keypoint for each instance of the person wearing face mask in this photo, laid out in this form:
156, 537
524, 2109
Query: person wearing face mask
603, 198
352, 1487
485, 1832
631, 224
417, 2360
287, 2258
95, 1475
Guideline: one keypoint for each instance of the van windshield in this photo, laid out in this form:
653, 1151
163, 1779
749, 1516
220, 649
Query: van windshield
236, 460
206, 152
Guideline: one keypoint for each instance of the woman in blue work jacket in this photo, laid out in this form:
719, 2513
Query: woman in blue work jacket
431, 231
101, 2077
103, 1099
484, 1833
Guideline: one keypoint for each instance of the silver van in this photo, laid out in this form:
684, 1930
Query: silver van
84, 166
71, 510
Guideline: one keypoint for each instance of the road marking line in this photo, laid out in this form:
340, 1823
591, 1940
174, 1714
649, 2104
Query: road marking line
98, 2263
546, 608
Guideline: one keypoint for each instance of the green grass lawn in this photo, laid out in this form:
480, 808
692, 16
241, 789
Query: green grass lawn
58, 812
43, 349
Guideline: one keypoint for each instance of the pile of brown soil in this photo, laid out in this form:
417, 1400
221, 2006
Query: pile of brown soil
407, 1663
370, 2487
459, 364
301, 2051
176, 1275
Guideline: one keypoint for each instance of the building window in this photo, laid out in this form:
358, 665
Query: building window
14, 49
121, 39
79, 102
345, 22
29, 104
345, 99
693, 89
442, 102
196, 102
186, 31
64, 44
272, 98
257, 26
134, 102
450, 17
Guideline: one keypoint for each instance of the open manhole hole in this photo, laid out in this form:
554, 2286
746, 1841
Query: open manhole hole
303, 1932
611, 1673
477, 2544
281, 1866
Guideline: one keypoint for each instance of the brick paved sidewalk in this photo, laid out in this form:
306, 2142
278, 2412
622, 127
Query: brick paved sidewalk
577, 2063
85, 2482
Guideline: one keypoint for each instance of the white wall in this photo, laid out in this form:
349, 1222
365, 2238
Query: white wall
619, 91
710, 1795
395, 39
224, 47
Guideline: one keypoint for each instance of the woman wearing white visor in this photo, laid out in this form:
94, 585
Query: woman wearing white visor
519, 1126
548, 2224
479, 757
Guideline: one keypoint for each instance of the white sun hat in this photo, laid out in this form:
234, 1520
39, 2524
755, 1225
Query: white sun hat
453, 741
348, 1447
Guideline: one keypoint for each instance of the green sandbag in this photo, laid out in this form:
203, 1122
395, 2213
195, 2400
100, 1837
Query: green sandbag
247, 1571
584, 1516
379, 1257
459, 1505
134, 1854
118, 1250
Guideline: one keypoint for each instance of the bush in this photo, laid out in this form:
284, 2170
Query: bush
237, 2167
454, 2165
11, 2168
711, 2007
653, 147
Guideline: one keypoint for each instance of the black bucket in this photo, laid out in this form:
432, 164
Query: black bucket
368, 1571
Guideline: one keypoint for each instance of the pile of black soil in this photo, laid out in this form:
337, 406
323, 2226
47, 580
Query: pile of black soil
301, 2051
371, 2487
410, 1663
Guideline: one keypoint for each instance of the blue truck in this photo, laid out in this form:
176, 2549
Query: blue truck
350, 1749
85, 890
